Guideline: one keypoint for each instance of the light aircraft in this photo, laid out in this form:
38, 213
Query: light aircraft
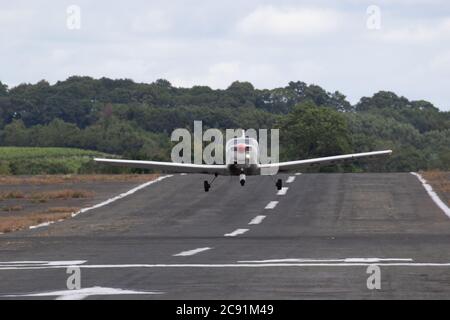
242, 159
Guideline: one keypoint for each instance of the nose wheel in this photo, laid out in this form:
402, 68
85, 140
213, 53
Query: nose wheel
242, 179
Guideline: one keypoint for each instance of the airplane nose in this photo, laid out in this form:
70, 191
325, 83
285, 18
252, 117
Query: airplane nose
241, 148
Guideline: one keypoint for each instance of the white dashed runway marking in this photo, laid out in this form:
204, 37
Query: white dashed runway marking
191, 252
271, 205
283, 191
290, 179
236, 232
257, 220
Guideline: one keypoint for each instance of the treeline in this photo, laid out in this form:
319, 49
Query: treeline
135, 119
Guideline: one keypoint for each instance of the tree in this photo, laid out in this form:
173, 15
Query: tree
312, 131
3, 90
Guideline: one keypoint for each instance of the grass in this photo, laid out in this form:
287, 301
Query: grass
15, 153
70, 178
34, 160
12, 208
65, 194
22, 219
62, 209
11, 195
440, 181
10, 224
44, 196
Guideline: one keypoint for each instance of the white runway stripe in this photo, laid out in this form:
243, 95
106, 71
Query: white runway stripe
236, 232
290, 179
191, 252
257, 220
121, 196
347, 260
283, 191
104, 203
433, 194
245, 265
81, 294
41, 263
271, 205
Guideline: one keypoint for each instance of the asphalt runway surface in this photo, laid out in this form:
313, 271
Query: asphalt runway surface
171, 240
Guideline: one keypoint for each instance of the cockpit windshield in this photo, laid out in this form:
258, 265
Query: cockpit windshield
247, 141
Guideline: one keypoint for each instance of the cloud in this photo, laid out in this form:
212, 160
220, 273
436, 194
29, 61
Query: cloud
441, 63
289, 21
266, 42
154, 21
417, 33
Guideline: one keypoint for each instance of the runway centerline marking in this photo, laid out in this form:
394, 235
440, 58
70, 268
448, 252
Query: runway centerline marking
283, 191
290, 179
433, 194
191, 252
236, 232
257, 220
271, 205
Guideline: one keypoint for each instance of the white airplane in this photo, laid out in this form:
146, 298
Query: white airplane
242, 159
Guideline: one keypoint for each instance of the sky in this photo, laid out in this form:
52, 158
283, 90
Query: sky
357, 47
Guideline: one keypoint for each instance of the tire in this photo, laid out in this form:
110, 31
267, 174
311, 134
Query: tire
279, 184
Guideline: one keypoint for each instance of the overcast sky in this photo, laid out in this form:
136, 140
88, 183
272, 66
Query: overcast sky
204, 42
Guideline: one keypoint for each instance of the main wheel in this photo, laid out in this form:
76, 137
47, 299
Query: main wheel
279, 184
206, 185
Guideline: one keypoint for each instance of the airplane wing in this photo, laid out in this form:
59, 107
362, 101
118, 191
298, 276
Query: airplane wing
299, 164
167, 166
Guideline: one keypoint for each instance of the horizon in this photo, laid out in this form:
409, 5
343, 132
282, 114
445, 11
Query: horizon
255, 87
354, 47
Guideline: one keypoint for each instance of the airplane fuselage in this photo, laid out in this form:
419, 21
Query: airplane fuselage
242, 156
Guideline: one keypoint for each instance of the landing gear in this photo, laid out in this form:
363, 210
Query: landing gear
242, 179
279, 184
207, 185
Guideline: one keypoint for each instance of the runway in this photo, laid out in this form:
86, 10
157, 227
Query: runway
314, 239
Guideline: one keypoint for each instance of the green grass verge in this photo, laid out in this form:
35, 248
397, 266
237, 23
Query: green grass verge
31, 161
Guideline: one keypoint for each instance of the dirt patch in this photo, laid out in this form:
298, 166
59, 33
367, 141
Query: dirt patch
60, 194
14, 223
11, 195
64, 179
32, 200
12, 208
440, 181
